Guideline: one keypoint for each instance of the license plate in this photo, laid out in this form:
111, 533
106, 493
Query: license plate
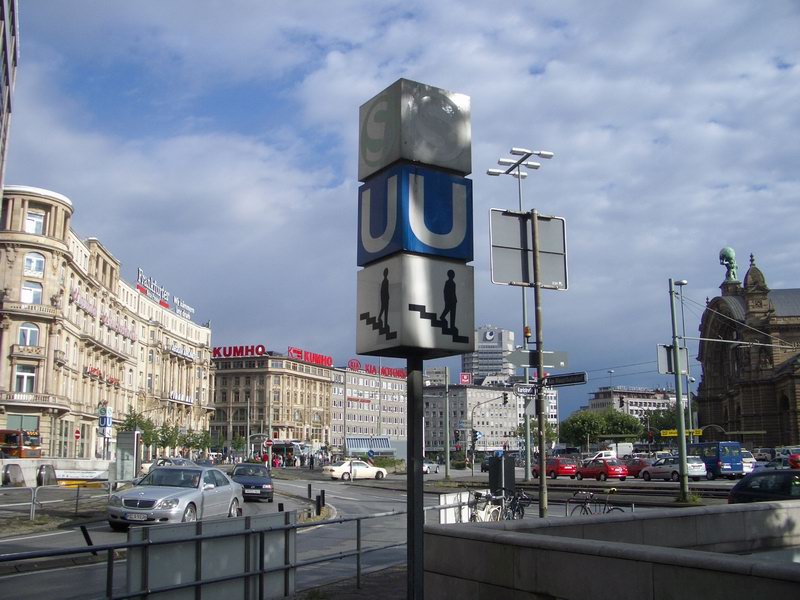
252, 491
136, 517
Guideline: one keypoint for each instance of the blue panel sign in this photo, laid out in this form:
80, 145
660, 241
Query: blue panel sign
412, 209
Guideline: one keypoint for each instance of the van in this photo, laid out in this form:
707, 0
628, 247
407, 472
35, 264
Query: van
606, 454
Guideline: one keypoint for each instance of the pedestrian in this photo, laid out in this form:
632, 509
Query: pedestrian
311, 462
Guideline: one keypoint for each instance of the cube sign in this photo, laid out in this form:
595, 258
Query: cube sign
418, 123
411, 305
407, 208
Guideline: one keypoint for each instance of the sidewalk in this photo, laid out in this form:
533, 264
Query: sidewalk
387, 584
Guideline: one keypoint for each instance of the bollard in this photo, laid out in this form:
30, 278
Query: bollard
77, 497
319, 505
280, 506
309, 491
322, 493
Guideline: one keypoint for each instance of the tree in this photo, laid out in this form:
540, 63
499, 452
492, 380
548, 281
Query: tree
581, 426
168, 436
136, 420
238, 442
616, 422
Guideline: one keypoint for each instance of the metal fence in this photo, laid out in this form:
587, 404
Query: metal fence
52, 500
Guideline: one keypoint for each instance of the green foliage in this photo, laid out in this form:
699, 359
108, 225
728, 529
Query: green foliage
387, 462
580, 425
616, 422
136, 420
550, 431
168, 436
238, 443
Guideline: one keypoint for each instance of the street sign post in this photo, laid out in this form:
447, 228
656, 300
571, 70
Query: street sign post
565, 379
527, 359
525, 389
77, 434
267, 444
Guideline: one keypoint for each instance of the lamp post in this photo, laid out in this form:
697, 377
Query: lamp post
680, 283
611, 380
515, 170
447, 423
676, 361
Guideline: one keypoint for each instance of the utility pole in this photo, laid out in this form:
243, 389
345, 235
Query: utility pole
676, 361
447, 423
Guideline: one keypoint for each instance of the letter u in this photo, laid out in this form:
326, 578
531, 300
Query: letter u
372, 244
416, 216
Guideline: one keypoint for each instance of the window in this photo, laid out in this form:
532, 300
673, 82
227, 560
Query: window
26, 379
31, 293
34, 264
28, 335
34, 222
24, 422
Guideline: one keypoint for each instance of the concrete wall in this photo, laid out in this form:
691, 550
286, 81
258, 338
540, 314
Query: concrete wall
30, 466
634, 556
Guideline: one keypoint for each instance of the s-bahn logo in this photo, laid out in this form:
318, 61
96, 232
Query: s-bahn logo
413, 209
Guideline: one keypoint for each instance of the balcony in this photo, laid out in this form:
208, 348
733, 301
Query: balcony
36, 401
28, 351
60, 357
29, 309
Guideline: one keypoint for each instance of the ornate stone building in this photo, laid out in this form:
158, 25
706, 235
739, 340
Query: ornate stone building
750, 357
77, 342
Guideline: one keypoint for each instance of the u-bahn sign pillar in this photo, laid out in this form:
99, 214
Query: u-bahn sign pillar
415, 296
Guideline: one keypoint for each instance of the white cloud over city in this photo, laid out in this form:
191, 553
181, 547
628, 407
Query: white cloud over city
214, 144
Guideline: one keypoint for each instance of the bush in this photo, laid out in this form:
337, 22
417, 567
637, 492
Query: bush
387, 462
458, 464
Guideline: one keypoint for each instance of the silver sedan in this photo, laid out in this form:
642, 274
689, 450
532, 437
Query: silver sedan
175, 495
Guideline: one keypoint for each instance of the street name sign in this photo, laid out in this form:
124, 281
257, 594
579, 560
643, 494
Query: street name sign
525, 389
527, 359
565, 379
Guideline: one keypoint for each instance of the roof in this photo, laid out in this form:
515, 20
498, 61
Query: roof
786, 303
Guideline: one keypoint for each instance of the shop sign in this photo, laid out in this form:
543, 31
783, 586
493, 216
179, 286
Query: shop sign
151, 288
178, 397
182, 309
238, 351
82, 302
115, 324
181, 351
310, 357
355, 365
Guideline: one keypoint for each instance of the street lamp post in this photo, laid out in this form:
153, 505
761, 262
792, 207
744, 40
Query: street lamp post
676, 361
680, 283
515, 170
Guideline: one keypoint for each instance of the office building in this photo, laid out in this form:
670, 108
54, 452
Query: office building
492, 346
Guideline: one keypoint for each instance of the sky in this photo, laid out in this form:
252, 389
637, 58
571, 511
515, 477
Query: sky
214, 144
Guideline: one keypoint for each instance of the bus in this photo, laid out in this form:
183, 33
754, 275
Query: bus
721, 458
18, 443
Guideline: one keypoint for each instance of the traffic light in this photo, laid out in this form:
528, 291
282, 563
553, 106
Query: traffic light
505, 398
474, 437
456, 435
649, 436
622, 402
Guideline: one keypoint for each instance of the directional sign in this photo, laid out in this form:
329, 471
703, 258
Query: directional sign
565, 379
527, 358
524, 389
478, 435
688, 432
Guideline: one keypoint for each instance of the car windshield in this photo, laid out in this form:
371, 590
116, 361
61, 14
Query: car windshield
694, 460
746, 454
250, 471
613, 462
172, 477
339, 463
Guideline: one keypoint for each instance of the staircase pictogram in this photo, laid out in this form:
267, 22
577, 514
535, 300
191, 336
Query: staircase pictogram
441, 324
378, 326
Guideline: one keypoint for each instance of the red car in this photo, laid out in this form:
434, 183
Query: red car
557, 465
602, 469
635, 465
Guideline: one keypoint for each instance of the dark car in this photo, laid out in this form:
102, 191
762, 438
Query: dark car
485, 463
255, 480
765, 485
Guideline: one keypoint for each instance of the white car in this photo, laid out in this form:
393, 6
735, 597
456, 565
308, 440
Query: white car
748, 461
353, 469
428, 467
669, 469
175, 461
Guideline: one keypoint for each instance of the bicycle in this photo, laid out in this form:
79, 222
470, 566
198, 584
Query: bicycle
514, 504
590, 505
485, 512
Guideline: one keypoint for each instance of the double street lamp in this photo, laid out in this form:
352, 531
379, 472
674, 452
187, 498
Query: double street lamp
514, 168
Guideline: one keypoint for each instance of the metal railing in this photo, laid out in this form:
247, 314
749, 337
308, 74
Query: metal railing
62, 500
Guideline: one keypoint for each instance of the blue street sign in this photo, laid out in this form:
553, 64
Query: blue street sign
409, 208
371, 453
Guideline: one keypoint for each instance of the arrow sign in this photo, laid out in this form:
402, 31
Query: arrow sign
478, 434
565, 379
524, 389
527, 359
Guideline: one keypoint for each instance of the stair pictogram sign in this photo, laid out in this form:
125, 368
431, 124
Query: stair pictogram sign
378, 326
440, 323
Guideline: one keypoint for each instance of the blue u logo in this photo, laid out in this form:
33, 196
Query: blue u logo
413, 209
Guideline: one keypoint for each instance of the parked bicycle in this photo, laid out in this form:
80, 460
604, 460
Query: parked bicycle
514, 503
589, 504
483, 509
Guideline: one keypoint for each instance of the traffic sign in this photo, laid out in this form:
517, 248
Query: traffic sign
524, 389
77, 434
267, 443
478, 435
371, 453
674, 432
527, 358
565, 379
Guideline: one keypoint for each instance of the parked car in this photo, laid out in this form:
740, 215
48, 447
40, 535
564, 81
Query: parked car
635, 465
765, 485
485, 463
353, 469
748, 461
600, 454
669, 469
764, 454
175, 495
428, 467
778, 463
556, 466
255, 480
166, 462
602, 469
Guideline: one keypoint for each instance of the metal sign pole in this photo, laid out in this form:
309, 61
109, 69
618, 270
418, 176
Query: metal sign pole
540, 395
415, 519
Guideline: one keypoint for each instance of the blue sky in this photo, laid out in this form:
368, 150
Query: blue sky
214, 144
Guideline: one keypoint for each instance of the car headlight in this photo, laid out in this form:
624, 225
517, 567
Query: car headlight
168, 503
267, 486
115, 501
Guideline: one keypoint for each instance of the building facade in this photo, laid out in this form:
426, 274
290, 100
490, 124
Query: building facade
750, 385
634, 401
9, 54
492, 347
77, 342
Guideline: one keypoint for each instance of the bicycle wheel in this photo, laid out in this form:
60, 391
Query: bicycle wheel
581, 509
614, 509
495, 514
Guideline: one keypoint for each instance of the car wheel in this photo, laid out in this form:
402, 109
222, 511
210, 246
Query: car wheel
622, 478
118, 526
190, 514
695, 479
437, 470
675, 476
602, 477
646, 475
579, 476
271, 499
553, 475
345, 476
710, 476
536, 474
233, 511
379, 475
